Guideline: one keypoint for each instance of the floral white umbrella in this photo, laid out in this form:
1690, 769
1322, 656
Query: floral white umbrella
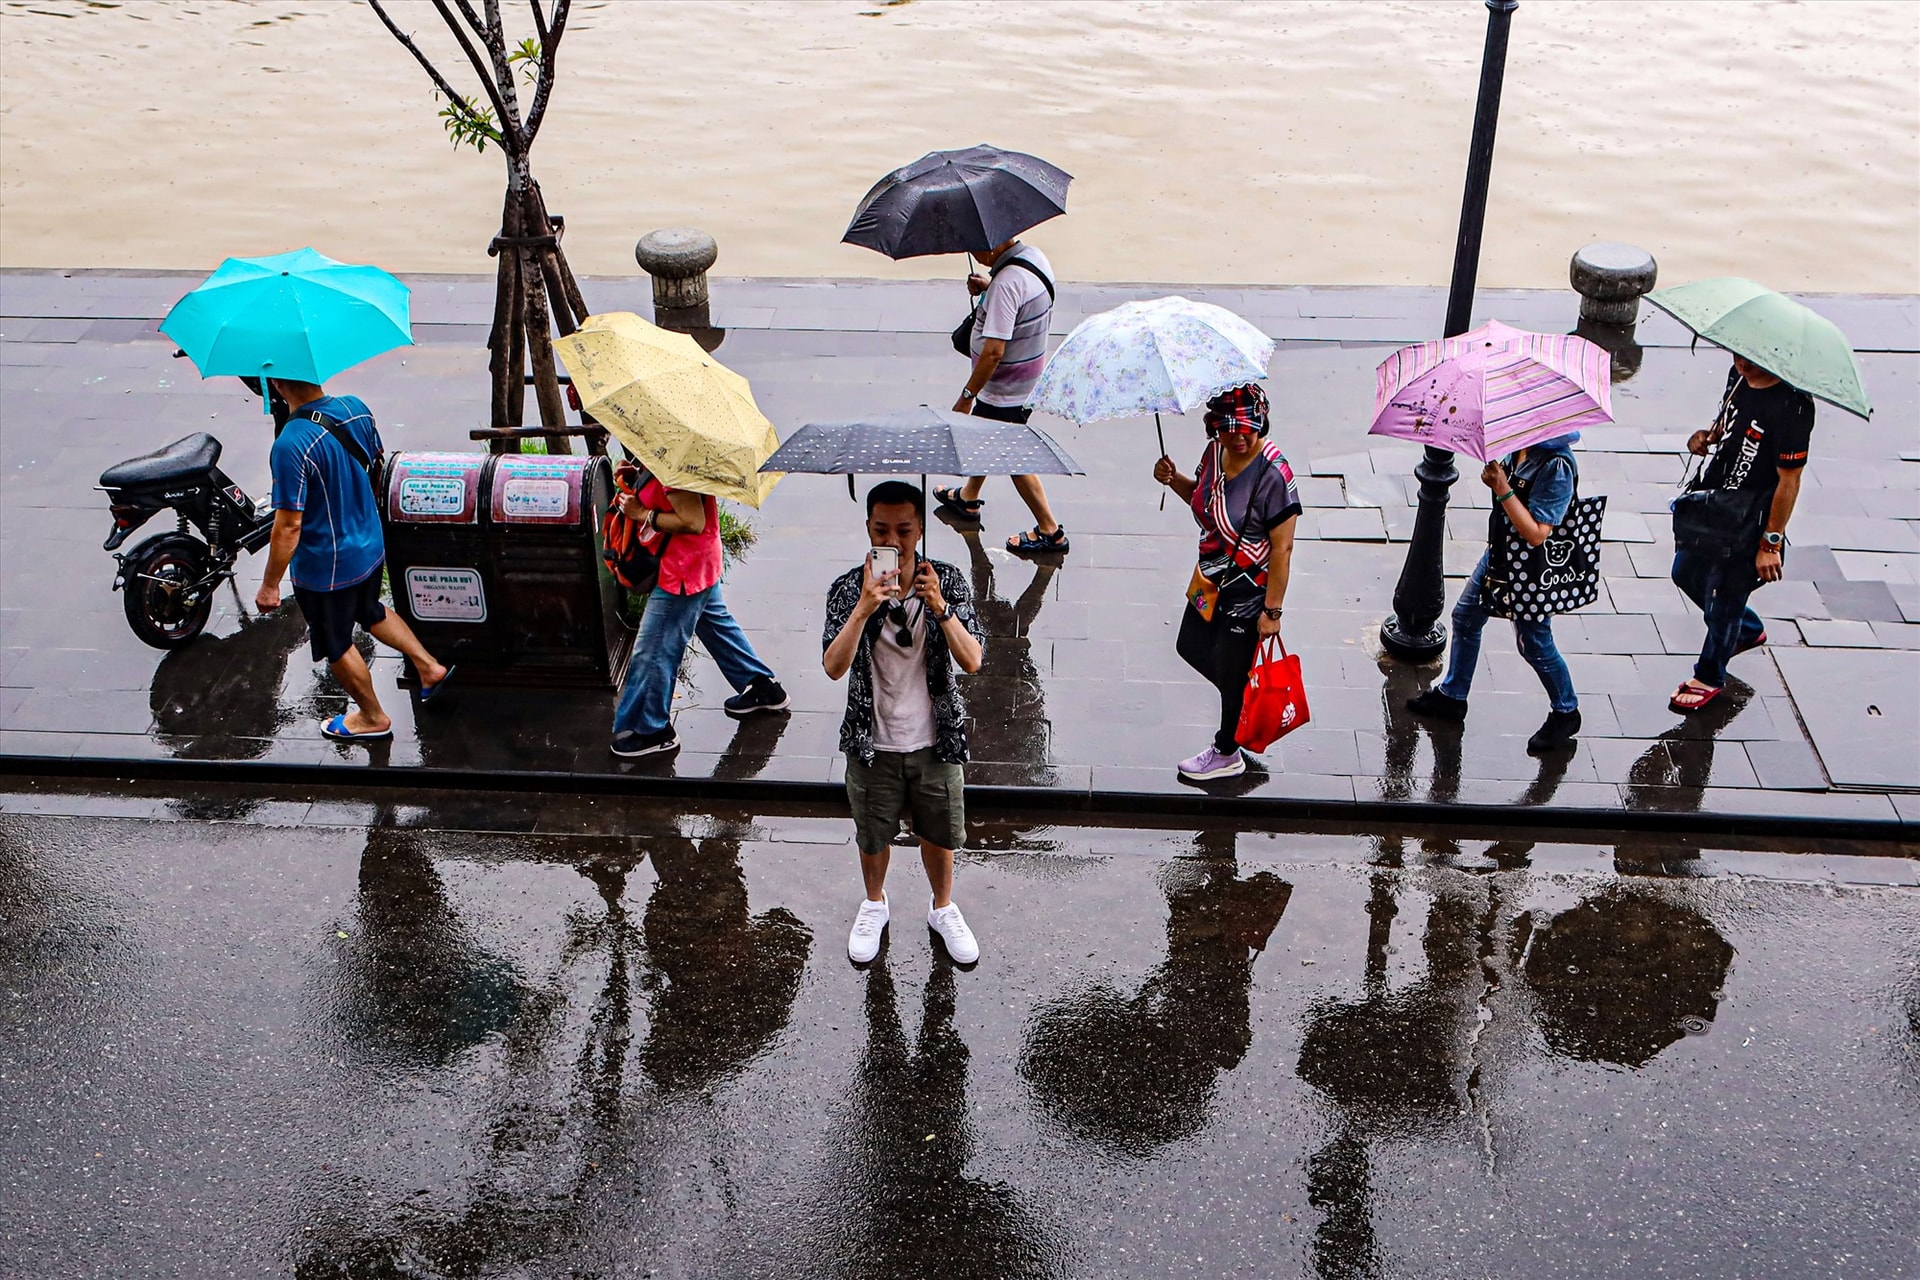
1170, 355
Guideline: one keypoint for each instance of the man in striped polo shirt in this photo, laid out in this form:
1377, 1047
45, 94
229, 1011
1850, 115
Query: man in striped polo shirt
1009, 348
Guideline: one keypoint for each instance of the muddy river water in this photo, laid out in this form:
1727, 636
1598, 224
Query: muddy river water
1292, 142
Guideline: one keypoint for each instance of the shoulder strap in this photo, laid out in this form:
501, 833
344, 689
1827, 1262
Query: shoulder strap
340, 434
1022, 263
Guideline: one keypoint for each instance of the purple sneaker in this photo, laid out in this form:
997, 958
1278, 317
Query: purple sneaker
1213, 764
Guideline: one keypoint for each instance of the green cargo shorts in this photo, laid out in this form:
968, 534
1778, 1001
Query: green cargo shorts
910, 784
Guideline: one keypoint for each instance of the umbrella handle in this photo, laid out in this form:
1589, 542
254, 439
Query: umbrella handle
1163, 437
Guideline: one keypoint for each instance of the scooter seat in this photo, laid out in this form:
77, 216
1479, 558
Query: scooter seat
183, 458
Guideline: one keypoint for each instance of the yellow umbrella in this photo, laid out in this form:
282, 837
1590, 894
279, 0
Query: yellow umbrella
684, 416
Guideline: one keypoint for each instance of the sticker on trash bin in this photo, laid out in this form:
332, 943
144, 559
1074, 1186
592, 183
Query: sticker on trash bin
523, 499
538, 490
432, 496
434, 488
446, 595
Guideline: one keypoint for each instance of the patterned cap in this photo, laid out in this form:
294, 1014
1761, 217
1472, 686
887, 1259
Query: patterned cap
1241, 408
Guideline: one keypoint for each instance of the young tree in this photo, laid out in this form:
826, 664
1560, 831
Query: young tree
537, 291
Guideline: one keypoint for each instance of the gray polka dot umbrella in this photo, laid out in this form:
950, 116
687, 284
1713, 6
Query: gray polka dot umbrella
923, 442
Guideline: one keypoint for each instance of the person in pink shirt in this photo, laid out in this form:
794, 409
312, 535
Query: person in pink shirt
685, 603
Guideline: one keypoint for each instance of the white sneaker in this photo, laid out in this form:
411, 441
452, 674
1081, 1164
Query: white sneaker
863, 944
961, 945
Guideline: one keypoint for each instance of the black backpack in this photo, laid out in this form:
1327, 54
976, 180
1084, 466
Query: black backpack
963, 336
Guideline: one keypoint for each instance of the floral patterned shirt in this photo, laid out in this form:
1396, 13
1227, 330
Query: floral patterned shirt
949, 710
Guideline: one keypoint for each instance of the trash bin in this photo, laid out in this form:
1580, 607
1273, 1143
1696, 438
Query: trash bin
494, 561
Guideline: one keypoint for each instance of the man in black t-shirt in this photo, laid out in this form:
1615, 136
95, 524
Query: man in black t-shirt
1760, 447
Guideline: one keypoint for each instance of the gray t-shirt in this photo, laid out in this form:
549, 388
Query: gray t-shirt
902, 703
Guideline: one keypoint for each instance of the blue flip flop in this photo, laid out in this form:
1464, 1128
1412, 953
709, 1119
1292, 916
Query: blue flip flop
429, 692
336, 729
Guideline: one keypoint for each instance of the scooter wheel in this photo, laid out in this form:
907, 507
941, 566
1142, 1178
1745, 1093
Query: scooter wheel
166, 596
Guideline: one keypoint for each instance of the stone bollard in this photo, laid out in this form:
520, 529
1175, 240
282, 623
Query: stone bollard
1610, 278
678, 258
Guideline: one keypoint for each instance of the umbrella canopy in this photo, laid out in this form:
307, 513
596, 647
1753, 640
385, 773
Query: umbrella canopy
922, 441
684, 416
958, 202
299, 315
1788, 340
1492, 391
1169, 355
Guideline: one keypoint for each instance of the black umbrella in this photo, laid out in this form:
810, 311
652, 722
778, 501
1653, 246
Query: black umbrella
923, 441
958, 202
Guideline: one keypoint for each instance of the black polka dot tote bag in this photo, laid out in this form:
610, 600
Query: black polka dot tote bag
1528, 583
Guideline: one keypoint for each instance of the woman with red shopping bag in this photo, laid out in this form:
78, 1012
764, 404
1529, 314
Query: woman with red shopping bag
1245, 502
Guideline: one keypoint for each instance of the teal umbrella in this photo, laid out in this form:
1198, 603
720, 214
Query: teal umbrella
300, 316
1788, 340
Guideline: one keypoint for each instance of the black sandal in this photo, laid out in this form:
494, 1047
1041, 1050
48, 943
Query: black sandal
950, 500
1035, 543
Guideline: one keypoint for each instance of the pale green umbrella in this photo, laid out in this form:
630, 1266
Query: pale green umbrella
1795, 344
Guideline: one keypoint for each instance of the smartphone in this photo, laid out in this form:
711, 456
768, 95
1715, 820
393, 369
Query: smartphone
883, 561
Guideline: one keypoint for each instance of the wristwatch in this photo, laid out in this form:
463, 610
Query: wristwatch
1774, 541
941, 617
1273, 613
965, 394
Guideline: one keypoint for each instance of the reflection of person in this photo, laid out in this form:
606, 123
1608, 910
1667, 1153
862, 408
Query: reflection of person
730, 976
906, 1202
326, 535
905, 731
1531, 501
1623, 975
1759, 449
1388, 1062
1244, 500
219, 698
413, 986
685, 602
1010, 713
1674, 771
1009, 349
1137, 1072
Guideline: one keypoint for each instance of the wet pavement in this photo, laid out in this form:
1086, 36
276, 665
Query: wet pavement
267, 1032
1081, 693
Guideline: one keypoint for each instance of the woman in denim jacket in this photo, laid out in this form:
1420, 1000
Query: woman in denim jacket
1531, 497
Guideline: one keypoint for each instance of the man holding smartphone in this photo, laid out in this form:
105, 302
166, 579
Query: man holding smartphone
896, 626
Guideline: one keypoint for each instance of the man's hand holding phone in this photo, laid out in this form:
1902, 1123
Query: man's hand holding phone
882, 576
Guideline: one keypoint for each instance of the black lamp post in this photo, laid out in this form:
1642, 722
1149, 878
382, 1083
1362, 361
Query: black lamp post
1413, 632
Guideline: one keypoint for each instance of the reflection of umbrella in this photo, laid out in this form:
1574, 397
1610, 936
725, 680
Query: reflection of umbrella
1622, 976
922, 441
1781, 336
300, 316
1493, 391
958, 202
1169, 355
686, 417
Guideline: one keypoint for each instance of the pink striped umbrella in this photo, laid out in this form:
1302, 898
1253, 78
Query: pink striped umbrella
1493, 391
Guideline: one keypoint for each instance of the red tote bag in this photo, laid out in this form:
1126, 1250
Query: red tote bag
1276, 700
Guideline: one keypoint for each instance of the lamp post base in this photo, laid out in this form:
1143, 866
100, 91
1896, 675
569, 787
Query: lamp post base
1419, 649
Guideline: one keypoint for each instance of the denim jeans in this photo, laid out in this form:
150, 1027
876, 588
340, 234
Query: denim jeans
1720, 585
1534, 638
665, 628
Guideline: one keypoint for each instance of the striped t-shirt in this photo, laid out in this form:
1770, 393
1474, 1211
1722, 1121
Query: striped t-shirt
1016, 310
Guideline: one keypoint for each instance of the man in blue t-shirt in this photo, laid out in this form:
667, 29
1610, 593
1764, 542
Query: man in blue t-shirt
326, 529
